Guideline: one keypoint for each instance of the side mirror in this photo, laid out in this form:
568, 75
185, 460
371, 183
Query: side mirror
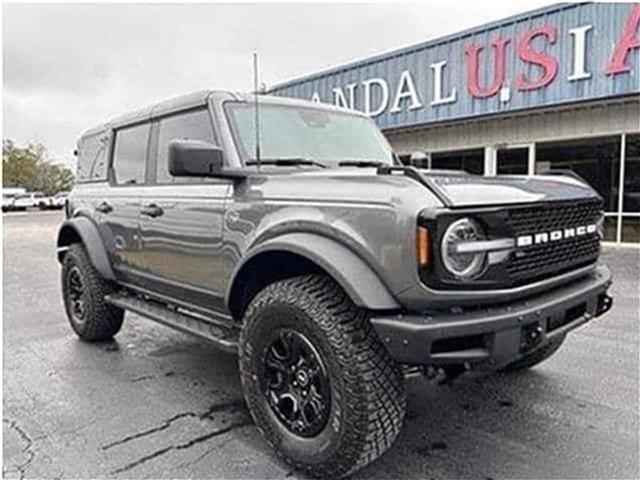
420, 159
193, 158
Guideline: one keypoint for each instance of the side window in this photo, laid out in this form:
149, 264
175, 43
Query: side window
92, 152
130, 154
193, 125
100, 161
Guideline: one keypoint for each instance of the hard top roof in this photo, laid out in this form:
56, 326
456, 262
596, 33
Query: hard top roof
200, 98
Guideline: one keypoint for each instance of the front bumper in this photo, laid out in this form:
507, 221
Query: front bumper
495, 336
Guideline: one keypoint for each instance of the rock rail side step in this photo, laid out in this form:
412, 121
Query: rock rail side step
226, 338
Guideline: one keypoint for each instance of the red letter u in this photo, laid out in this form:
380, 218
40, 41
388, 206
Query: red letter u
473, 52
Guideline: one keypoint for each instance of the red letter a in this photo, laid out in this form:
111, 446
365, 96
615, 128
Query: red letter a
628, 42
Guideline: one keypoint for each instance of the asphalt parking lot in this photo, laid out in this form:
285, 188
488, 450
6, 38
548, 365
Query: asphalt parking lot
155, 403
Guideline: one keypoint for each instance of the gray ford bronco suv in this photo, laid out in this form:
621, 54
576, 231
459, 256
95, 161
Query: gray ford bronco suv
329, 267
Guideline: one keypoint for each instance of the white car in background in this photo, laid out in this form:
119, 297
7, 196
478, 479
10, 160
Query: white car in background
30, 200
58, 200
8, 196
7, 202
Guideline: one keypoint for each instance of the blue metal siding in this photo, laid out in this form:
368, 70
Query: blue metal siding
608, 21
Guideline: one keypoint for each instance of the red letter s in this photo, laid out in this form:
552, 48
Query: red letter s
548, 63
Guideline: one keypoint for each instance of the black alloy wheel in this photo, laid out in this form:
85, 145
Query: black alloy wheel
319, 383
295, 383
75, 296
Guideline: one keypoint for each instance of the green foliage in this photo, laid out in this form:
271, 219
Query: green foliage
29, 168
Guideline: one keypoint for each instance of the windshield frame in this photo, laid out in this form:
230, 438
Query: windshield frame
245, 157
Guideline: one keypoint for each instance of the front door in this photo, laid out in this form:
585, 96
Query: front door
181, 238
181, 219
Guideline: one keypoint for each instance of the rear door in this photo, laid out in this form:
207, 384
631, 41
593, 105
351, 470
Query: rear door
119, 210
181, 218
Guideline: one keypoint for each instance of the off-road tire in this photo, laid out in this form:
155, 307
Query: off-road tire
367, 386
537, 356
101, 320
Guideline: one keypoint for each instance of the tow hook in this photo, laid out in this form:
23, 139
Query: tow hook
605, 302
531, 336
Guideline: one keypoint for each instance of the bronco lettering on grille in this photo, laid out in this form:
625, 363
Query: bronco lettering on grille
555, 235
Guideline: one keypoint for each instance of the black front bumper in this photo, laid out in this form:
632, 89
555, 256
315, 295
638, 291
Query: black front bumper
493, 337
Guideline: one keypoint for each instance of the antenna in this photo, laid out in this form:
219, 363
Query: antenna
256, 106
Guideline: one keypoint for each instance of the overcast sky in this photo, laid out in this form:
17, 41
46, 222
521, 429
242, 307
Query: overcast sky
69, 67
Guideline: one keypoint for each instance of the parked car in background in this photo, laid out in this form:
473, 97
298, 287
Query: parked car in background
31, 200
58, 200
8, 196
7, 202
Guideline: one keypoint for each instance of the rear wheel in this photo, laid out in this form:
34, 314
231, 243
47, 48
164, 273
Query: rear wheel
537, 356
320, 385
83, 291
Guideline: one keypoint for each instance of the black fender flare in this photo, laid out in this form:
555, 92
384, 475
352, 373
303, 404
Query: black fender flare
358, 280
87, 232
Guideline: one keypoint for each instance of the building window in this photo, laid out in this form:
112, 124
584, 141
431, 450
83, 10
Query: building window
631, 195
630, 231
512, 161
597, 160
405, 159
471, 161
610, 227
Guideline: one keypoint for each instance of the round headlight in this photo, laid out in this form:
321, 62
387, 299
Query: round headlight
460, 263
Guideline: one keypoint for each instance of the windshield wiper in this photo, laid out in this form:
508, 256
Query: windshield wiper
361, 163
286, 161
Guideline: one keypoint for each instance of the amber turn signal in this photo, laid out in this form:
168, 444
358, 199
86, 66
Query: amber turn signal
423, 246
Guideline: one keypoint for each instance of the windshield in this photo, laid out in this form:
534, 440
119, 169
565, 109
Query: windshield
313, 134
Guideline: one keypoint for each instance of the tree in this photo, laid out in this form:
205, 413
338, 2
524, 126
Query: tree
29, 168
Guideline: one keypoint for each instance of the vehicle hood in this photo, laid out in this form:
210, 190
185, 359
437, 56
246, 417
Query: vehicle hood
474, 190
454, 189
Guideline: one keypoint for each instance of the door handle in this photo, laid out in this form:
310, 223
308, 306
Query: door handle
104, 207
152, 210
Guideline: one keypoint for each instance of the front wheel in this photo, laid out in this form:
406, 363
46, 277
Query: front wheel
320, 385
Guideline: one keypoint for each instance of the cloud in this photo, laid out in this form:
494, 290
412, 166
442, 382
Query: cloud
69, 67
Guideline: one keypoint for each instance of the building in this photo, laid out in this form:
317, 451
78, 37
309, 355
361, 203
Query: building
554, 88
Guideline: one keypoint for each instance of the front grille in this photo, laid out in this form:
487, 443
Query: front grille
536, 262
